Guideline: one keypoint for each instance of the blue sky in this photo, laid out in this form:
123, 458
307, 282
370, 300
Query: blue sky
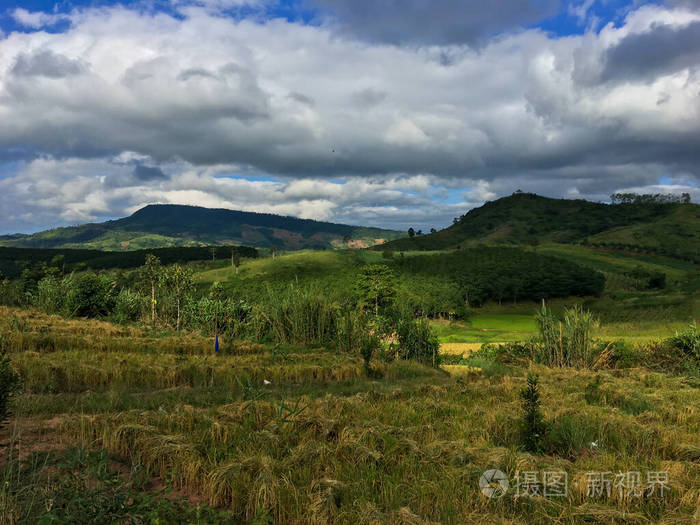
344, 110
564, 22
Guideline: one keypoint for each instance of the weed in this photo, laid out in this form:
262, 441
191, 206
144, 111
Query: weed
9, 383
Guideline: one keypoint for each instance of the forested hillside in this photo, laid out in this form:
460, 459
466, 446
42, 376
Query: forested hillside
164, 225
668, 228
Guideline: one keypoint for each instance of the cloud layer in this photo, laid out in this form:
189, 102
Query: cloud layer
339, 121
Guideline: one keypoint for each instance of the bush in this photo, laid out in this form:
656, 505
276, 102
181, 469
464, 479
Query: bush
89, 295
687, 342
128, 306
369, 343
417, 340
9, 383
51, 296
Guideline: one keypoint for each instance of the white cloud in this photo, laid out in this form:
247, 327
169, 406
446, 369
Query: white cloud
35, 19
206, 94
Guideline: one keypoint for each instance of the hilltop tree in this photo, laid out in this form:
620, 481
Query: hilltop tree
150, 273
179, 280
411, 232
376, 286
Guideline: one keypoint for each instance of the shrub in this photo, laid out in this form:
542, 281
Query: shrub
568, 435
687, 341
128, 306
532, 427
89, 295
9, 383
368, 345
51, 295
417, 340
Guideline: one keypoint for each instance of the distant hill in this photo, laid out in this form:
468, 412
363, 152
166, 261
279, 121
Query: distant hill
163, 225
525, 218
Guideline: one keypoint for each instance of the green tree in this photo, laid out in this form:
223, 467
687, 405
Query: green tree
179, 281
59, 261
533, 427
150, 273
376, 286
411, 232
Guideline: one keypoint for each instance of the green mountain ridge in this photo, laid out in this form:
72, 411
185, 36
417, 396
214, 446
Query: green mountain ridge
170, 225
671, 229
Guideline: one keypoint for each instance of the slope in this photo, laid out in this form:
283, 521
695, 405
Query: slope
177, 225
526, 218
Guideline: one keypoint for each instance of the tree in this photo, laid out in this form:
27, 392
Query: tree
180, 281
346, 239
272, 251
376, 286
532, 426
433, 230
150, 273
235, 259
411, 232
89, 295
59, 261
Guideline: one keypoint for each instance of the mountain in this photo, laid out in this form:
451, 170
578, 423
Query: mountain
525, 218
161, 225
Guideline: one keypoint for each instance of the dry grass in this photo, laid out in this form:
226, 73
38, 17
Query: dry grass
404, 449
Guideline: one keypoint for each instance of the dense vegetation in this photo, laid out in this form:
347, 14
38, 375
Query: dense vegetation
13, 261
350, 386
658, 226
174, 225
500, 274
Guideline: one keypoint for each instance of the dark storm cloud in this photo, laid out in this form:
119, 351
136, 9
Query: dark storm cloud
429, 22
661, 50
148, 173
369, 97
47, 64
207, 98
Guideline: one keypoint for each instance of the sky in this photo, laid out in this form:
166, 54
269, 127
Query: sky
389, 113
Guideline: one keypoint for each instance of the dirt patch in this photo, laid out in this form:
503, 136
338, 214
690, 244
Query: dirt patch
356, 244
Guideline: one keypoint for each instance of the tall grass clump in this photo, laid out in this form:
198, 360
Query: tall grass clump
9, 383
351, 327
567, 341
417, 340
299, 315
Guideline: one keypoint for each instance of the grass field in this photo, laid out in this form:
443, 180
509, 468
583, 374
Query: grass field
272, 434
131, 424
